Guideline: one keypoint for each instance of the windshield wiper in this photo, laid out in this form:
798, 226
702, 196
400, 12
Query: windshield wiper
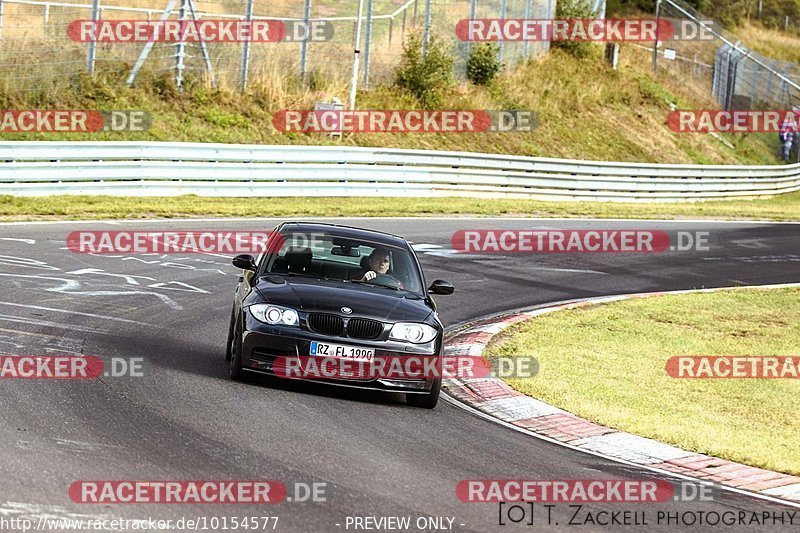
374, 284
293, 274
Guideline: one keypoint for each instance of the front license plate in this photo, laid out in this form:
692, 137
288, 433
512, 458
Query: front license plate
340, 351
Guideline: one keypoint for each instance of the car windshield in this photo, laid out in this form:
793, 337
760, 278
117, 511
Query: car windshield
328, 256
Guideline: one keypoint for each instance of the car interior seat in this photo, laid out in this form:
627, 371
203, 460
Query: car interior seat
298, 260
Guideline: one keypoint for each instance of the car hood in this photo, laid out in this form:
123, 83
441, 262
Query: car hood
329, 296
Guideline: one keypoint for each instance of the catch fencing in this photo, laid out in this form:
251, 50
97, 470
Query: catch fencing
37, 55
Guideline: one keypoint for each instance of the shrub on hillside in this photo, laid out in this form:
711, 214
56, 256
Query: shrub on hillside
426, 77
574, 9
483, 65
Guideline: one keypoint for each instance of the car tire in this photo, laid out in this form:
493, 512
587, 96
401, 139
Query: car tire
235, 368
228, 345
426, 401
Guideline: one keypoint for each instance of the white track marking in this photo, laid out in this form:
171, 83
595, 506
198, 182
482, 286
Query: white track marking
130, 280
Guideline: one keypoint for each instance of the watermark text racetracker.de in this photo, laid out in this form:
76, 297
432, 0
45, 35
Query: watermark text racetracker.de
73, 121
201, 492
195, 31
733, 367
186, 242
602, 30
577, 241
365, 364
68, 367
404, 121
733, 121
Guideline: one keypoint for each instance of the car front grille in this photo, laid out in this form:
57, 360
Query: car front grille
325, 324
362, 328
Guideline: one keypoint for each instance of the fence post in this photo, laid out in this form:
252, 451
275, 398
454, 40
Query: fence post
655, 42
548, 15
90, 56
503, 7
304, 44
427, 28
368, 43
473, 10
526, 47
245, 68
356, 53
181, 52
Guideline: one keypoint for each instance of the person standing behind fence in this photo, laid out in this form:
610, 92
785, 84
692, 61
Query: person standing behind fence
786, 138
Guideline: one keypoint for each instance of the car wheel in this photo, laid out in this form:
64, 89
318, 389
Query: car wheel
228, 345
426, 401
236, 353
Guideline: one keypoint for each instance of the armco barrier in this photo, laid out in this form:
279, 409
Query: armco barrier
168, 169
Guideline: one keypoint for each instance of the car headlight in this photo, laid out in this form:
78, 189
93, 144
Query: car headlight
275, 314
416, 333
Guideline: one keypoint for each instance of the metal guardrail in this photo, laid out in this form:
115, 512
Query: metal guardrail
168, 169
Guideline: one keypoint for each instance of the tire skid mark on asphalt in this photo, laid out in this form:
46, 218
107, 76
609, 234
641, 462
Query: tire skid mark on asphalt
48, 324
789, 258
70, 447
73, 312
58, 344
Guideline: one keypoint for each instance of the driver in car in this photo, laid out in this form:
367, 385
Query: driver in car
378, 264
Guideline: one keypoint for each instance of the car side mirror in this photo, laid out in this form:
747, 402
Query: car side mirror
441, 286
245, 262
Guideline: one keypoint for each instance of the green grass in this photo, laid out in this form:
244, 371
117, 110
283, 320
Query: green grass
606, 363
781, 208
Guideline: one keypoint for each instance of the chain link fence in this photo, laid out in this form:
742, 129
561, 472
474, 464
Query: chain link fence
36, 52
737, 77
722, 71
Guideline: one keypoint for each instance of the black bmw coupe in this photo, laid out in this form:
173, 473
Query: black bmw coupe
323, 293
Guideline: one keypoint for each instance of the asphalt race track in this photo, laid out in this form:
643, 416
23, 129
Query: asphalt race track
183, 419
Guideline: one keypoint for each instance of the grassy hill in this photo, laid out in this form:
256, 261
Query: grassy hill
586, 111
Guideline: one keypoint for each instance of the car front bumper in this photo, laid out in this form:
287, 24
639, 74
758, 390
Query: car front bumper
265, 346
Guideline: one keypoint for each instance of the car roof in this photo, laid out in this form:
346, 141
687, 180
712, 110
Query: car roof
348, 232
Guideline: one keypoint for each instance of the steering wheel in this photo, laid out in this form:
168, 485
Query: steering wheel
386, 280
